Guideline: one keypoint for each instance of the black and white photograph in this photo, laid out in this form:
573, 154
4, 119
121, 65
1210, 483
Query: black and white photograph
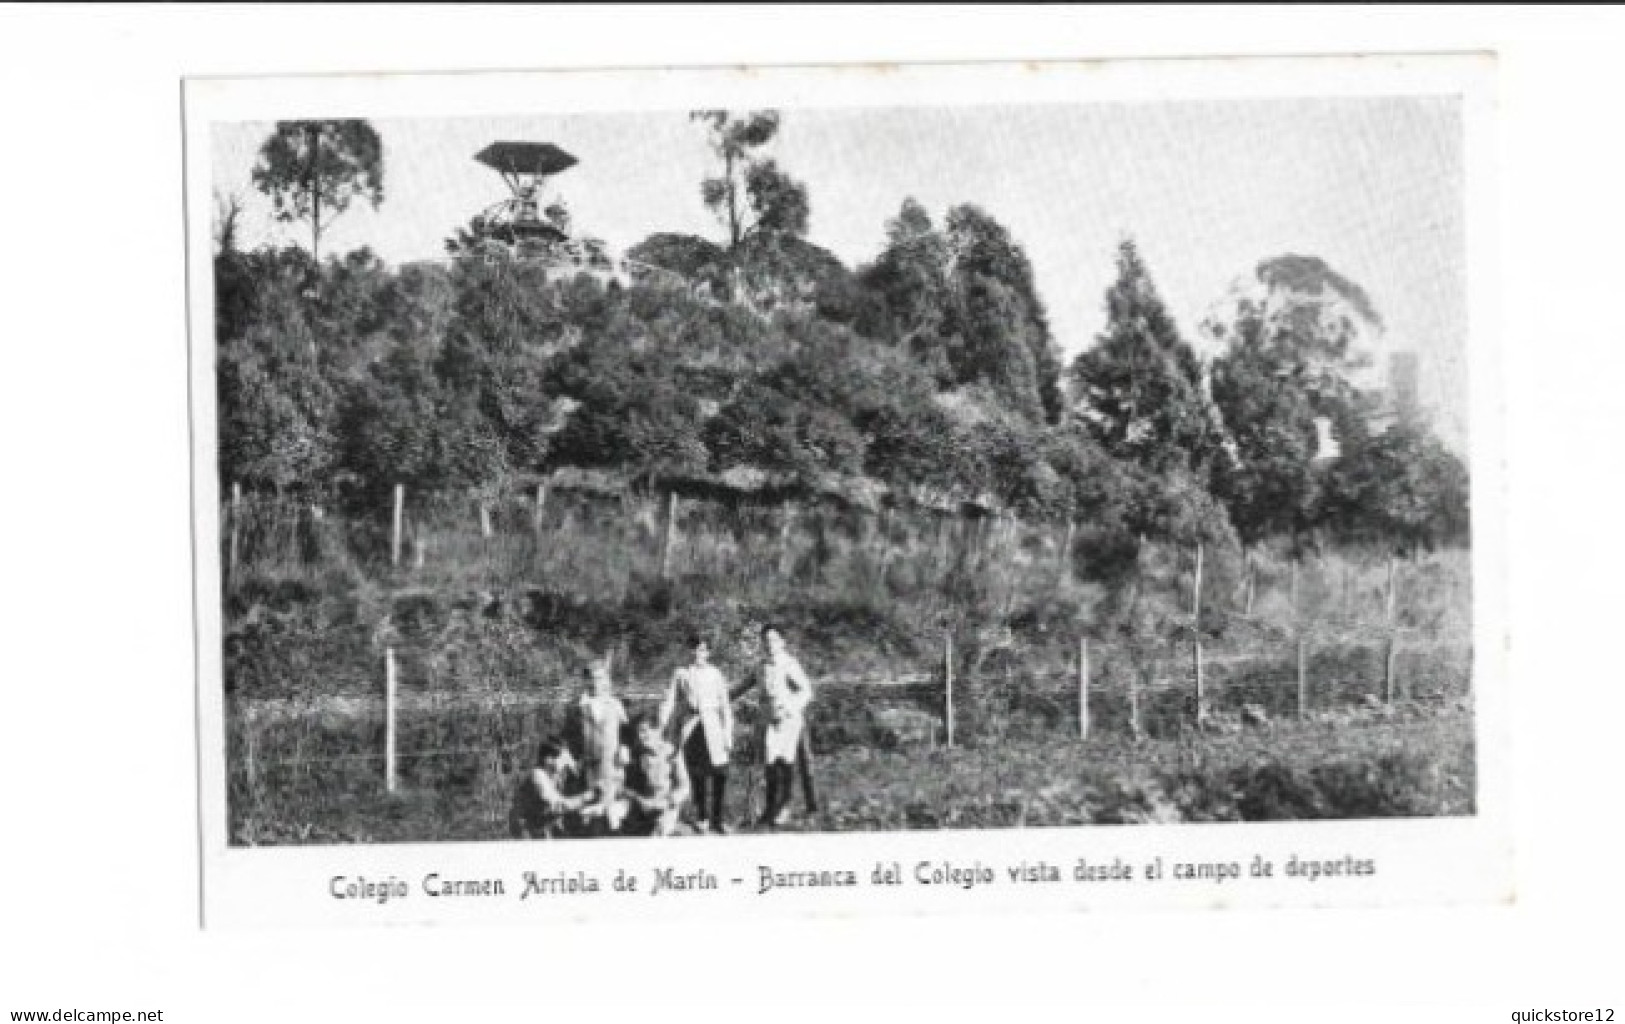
785, 469
811, 513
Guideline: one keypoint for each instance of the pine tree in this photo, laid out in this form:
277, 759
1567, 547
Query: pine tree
1140, 385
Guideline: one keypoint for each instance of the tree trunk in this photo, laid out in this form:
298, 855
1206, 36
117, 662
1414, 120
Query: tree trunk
313, 136
733, 204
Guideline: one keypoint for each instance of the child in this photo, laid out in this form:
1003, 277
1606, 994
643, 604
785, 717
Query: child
543, 806
698, 710
656, 783
594, 731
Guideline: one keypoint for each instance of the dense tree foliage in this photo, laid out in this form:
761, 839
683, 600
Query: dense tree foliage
1140, 385
1269, 481
929, 374
1401, 488
1297, 339
962, 301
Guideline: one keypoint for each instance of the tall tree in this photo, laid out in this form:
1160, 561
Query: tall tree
1296, 337
1270, 481
752, 194
910, 281
980, 246
315, 170
962, 300
1140, 385
1307, 319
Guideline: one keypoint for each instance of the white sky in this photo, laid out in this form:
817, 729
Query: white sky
1372, 185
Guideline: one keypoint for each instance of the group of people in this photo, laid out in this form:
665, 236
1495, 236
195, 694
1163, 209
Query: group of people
611, 774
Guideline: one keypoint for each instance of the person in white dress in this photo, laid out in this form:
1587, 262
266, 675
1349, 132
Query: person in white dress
699, 716
596, 734
786, 691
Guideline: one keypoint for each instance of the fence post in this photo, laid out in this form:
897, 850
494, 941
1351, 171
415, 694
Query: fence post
1083, 688
1392, 591
1196, 590
787, 520
236, 521
1303, 677
1134, 725
666, 536
948, 688
485, 519
400, 515
1066, 551
389, 719
248, 754
1389, 682
1201, 682
539, 509
1252, 584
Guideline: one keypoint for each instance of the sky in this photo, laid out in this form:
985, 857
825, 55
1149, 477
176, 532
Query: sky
1374, 186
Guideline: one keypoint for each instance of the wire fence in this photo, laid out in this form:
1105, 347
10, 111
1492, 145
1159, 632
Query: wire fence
451, 737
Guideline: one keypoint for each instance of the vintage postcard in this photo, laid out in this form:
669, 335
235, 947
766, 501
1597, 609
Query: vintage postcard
847, 489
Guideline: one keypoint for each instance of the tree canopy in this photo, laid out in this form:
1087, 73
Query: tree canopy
1140, 387
929, 373
312, 168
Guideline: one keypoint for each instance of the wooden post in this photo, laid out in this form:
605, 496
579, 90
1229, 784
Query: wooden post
1196, 590
389, 719
249, 766
400, 515
1247, 607
1065, 573
948, 688
1303, 678
1134, 725
668, 535
1201, 682
1393, 593
1293, 590
236, 523
1083, 688
1389, 680
787, 519
1196, 639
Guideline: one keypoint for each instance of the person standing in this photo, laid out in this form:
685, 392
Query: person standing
596, 726
786, 692
698, 710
